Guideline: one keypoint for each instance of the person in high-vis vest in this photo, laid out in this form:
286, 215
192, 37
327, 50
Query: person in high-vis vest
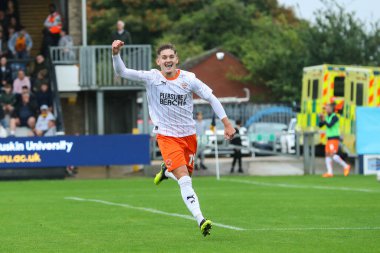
52, 29
331, 121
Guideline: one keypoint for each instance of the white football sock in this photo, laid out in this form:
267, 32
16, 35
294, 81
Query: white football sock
340, 161
170, 175
190, 198
329, 165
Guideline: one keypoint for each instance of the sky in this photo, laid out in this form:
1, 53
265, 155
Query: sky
366, 10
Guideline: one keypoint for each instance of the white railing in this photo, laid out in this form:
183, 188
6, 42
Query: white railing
95, 63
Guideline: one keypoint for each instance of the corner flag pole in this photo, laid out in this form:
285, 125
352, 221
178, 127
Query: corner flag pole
213, 128
217, 156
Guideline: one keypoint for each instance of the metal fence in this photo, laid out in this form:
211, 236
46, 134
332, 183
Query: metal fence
95, 63
244, 111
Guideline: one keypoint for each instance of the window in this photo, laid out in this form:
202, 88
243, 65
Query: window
339, 86
308, 88
359, 94
352, 92
315, 89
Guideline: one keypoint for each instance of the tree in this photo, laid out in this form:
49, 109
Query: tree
339, 37
145, 20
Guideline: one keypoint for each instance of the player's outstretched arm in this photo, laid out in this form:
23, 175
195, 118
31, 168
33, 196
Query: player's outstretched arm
229, 130
119, 66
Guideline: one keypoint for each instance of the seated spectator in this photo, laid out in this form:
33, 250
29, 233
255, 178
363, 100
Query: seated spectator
20, 44
44, 96
11, 10
7, 102
52, 129
5, 72
13, 23
25, 89
53, 26
39, 64
20, 81
3, 45
42, 125
42, 77
10, 32
3, 21
2, 117
66, 41
24, 114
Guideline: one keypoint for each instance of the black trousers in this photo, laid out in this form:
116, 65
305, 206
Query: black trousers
237, 157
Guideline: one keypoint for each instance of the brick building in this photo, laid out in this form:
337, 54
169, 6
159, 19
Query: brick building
222, 75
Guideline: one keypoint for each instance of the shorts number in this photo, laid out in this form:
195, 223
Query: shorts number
191, 159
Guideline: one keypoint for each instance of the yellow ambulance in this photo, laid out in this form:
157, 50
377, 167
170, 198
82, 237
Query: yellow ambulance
348, 87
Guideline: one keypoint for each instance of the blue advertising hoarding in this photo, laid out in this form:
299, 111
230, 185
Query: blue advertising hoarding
368, 130
31, 152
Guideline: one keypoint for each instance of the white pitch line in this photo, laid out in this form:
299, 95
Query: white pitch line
318, 187
313, 229
151, 210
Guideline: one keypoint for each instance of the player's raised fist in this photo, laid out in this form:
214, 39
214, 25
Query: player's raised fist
229, 132
116, 45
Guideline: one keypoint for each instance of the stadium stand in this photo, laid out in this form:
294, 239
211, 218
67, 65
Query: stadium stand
26, 81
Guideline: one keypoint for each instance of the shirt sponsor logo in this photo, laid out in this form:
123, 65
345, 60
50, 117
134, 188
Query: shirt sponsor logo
172, 99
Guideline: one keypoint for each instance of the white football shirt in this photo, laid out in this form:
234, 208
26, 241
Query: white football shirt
170, 101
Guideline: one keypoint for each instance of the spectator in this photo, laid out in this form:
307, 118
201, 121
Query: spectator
2, 117
25, 89
66, 41
121, 33
24, 114
236, 141
13, 23
5, 72
42, 125
3, 45
44, 96
20, 81
52, 129
10, 32
20, 44
39, 64
41, 78
200, 128
3, 21
52, 29
7, 102
11, 10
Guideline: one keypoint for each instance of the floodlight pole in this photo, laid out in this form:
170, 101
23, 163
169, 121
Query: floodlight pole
216, 155
84, 22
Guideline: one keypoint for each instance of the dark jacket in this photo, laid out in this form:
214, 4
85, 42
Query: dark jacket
6, 75
24, 111
236, 140
44, 98
125, 36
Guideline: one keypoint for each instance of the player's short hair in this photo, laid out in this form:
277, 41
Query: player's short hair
166, 46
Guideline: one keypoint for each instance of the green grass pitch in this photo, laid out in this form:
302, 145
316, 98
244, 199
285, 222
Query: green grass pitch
278, 214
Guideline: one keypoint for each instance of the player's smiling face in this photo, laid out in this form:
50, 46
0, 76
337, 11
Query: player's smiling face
167, 60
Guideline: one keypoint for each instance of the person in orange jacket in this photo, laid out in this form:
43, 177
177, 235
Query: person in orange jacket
52, 30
